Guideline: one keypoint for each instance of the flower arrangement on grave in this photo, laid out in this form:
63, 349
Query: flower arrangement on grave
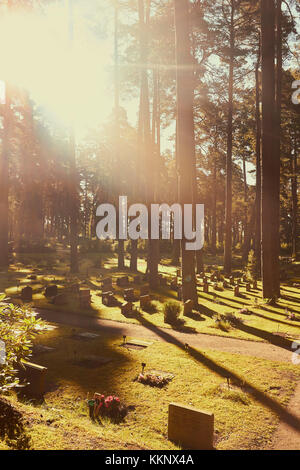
154, 380
109, 407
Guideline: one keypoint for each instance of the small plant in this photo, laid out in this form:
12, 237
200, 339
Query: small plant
171, 312
232, 319
150, 307
221, 323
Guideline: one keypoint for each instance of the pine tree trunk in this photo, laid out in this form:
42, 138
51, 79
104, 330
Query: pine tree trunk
268, 223
228, 200
294, 203
186, 138
257, 243
4, 185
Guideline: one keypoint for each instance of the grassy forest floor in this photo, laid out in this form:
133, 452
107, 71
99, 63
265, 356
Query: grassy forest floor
264, 324
247, 412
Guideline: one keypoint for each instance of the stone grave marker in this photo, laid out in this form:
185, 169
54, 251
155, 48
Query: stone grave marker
254, 284
225, 285
129, 295
144, 290
26, 294
188, 307
61, 299
205, 288
108, 299
92, 361
122, 281
126, 308
144, 301
35, 375
190, 428
85, 298
231, 280
88, 335
236, 291
41, 348
51, 291
107, 284
248, 287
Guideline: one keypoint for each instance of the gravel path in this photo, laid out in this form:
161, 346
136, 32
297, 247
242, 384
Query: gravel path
151, 332
287, 437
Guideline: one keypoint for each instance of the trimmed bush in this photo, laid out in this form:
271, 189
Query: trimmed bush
171, 312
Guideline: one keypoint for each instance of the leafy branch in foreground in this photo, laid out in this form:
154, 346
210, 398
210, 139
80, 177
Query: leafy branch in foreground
19, 326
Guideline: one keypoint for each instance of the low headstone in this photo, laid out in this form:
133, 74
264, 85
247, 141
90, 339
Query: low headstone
61, 299
188, 307
88, 335
129, 295
231, 280
51, 291
144, 301
144, 290
190, 428
85, 298
225, 284
122, 281
248, 287
107, 284
236, 291
41, 348
34, 374
205, 288
254, 284
126, 308
73, 289
26, 294
108, 299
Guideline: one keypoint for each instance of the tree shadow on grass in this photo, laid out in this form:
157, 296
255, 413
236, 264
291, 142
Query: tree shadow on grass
222, 371
275, 320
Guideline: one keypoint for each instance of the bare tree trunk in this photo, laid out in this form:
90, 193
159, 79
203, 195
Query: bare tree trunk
121, 260
268, 223
186, 138
228, 205
294, 203
4, 184
257, 244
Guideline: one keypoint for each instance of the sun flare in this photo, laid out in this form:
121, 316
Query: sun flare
69, 80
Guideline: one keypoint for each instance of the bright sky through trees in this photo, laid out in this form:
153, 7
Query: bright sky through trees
69, 85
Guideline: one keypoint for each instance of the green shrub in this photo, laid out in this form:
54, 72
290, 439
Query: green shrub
171, 312
150, 307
